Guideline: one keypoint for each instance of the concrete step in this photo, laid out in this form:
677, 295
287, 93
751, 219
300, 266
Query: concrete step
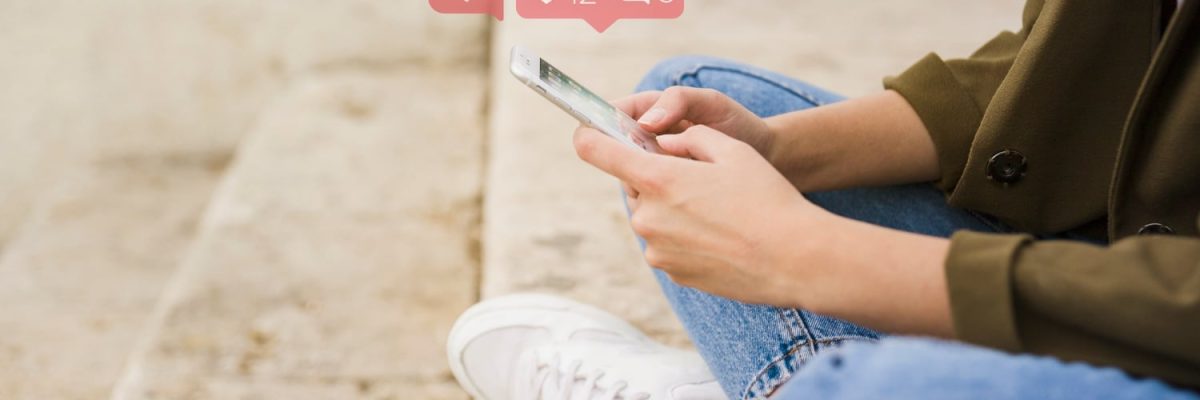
554, 224
44, 108
116, 120
83, 274
84, 77
338, 251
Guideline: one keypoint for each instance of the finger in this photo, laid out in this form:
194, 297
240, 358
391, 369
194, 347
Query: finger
636, 104
631, 197
632, 204
673, 147
629, 190
700, 143
612, 157
680, 103
678, 128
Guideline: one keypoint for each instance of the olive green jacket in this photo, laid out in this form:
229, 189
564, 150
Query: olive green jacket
1088, 118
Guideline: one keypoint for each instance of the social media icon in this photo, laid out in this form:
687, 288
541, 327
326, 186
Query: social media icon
600, 14
495, 8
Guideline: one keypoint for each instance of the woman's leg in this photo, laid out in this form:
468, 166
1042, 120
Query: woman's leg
907, 368
753, 349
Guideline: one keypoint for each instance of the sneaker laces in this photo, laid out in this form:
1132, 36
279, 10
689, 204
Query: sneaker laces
552, 382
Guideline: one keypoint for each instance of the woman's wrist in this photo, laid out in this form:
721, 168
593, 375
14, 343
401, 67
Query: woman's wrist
882, 278
811, 242
873, 140
775, 132
796, 152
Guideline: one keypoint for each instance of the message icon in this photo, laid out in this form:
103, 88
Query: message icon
600, 14
494, 8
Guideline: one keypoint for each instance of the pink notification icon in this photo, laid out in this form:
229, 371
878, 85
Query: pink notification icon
600, 14
494, 8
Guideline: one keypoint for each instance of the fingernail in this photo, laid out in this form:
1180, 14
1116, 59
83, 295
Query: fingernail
653, 116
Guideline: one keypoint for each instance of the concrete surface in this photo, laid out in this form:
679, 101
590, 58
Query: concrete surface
159, 76
383, 177
334, 258
116, 122
87, 268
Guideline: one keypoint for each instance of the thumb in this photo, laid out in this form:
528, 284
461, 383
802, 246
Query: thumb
680, 103
700, 143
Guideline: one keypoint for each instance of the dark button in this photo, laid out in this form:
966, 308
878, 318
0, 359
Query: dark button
1007, 167
1156, 229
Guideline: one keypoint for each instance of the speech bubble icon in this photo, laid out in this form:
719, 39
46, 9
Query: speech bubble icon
600, 14
494, 8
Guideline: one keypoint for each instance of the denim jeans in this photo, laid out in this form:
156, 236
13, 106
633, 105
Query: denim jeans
755, 350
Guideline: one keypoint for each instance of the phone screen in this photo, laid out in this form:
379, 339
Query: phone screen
602, 115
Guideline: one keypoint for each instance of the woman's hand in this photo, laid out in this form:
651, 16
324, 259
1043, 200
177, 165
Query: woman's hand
713, 216
716, 216
678, 108
722, 210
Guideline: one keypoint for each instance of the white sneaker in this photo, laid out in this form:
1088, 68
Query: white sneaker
533, 347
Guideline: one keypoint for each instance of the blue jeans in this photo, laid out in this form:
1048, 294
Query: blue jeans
755, 350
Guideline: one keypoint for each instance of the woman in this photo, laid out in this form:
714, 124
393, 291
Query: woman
1061, 227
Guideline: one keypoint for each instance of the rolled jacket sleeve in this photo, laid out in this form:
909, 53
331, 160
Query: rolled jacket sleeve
1139, 297
951, 96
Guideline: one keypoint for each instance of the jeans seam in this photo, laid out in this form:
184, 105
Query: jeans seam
789, 367
808, 336
796, 329
799, 337
767, 387
695, 70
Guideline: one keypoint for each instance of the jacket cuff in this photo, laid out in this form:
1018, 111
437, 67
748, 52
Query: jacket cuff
946, 108
979, 276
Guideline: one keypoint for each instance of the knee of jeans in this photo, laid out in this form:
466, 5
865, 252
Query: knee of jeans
670, 72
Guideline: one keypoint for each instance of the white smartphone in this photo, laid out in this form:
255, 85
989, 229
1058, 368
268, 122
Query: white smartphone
581, 103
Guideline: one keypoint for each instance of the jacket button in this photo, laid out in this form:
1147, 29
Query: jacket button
1007, 167
1156, 229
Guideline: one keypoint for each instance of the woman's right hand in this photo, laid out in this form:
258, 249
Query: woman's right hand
872, 140
678, 108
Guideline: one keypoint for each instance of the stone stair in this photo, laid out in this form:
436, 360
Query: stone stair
294, 199
333, 259
80, 279
120, 118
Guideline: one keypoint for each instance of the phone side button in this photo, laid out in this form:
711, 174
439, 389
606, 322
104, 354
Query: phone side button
540, 89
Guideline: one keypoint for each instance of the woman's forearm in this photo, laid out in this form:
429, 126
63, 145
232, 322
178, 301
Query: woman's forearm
881, 278
873, 140
877, 277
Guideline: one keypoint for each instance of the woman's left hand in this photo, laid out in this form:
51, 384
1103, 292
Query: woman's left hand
716, 216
